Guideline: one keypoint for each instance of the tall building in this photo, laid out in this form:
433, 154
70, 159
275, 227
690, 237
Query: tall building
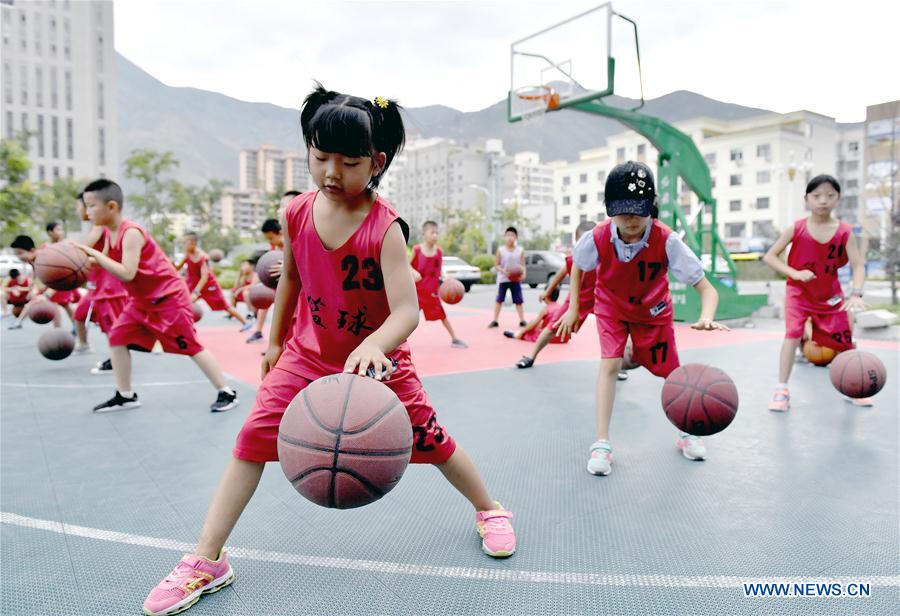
882, 173
59, 84
270, 170
244, 211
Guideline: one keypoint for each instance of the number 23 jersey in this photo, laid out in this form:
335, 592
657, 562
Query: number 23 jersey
343, 299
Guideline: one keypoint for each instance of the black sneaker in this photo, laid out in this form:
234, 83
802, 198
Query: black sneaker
225, 402
102, 367
509, 334
525, 362
493, 324
522, 323
118, 403
255, 336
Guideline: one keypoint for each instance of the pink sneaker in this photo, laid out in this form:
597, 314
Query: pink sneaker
194, 576
497, 534
781, 400
859, 401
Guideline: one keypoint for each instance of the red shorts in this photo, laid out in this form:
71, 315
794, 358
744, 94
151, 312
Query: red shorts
171, 322
107, 310
432, 307
214, 297
65, 297
654, 345
84, 306
257, 440
831, 329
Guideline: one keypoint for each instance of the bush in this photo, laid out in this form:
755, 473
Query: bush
488, 278
226, 276
483, 262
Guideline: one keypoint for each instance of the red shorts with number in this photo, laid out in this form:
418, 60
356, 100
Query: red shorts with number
831, 327
84, 306
432, 307
257, 440
654, 345
171, 322
65, 297
214, 298
107, 310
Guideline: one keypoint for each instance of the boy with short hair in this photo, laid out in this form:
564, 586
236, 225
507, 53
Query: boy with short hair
271, 229
201, 280
508, 255
158, 308
426, 261
24, 249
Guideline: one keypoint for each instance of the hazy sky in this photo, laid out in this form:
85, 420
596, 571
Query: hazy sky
830, 57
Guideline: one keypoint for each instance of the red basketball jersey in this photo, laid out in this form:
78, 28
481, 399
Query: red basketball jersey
18, 297
195, 271
429, 268
156, 277
343, 298
637, 291
822, 259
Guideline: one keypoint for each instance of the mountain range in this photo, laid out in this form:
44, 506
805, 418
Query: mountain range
206, 130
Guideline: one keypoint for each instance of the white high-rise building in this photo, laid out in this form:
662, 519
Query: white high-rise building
759, 168
533, 191
59, 84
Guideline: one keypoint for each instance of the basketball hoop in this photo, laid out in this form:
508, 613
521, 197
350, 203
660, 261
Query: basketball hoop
536, 102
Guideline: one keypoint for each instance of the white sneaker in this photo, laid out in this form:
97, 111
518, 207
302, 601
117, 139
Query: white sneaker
600, 462
691, 446
83, 349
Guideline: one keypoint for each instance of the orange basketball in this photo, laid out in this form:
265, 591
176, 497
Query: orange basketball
61, 266
857, 374
817, 354
260, 296
515, 272
344, 441
452, 291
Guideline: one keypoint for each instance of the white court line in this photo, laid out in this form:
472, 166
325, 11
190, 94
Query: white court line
106, 385
471, 573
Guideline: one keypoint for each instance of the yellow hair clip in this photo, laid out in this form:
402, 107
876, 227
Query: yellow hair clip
381, 102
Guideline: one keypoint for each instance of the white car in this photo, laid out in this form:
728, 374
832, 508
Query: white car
454, 267
9, 262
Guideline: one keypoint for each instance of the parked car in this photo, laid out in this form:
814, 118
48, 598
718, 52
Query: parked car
454, 267
541, 266
8, 262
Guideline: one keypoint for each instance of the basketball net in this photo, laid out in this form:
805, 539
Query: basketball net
541, 99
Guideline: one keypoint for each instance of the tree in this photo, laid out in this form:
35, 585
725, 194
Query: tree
161, 198
461, 233
17, 193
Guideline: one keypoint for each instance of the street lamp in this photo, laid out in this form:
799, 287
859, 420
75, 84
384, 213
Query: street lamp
791, 169
490, 212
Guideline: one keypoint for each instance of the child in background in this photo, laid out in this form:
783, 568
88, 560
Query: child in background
201, 280
271, 230
820, 245
242, 283
508, 255
426, 262
16, 291
538, 325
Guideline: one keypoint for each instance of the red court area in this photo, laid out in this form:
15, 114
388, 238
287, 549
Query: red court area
488, 348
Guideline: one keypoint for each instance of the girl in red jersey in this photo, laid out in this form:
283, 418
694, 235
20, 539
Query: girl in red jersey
201, 280
632, 253
426, 262
355, 310
820, 245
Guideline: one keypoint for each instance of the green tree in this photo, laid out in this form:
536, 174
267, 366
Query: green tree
17, 193
161, 198
461, 233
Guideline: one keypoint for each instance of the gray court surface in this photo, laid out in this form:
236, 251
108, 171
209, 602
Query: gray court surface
98, 508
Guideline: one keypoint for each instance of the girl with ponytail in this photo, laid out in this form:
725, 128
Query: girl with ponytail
353, 313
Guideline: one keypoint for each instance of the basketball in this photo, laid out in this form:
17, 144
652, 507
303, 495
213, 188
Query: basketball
263, 266
260, 296
61, 266
56, 344
42, 312
817, 354
857, 374
452, 291
514, 272
700, 400
216, 255
197, 309
344, 441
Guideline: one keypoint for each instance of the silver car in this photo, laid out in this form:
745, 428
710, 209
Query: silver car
541, 266
10, 262
454, 267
